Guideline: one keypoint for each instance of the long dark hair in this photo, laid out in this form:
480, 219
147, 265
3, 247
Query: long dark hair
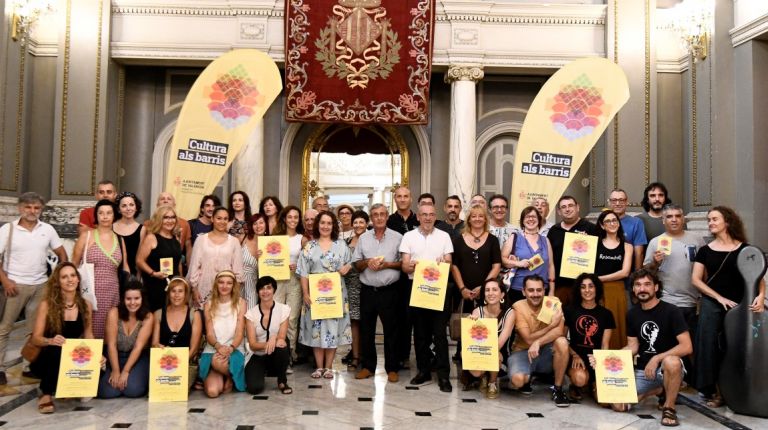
601, 233
282, 227
122, 311
734, 226
504, 304
275, 201
647, 204
335, 222
576, 290
246, 203
249, 231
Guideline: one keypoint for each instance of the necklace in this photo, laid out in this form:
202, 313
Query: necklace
477, 238
70, 306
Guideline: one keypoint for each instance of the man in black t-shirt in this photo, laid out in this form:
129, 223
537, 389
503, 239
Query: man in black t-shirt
658, 335
568, 209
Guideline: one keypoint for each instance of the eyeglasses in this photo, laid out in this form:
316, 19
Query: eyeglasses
617, 201
610, 221
169, 217
498, 208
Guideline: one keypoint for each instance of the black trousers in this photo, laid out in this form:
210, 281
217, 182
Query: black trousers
381, 303
259, 366
46, 367
404, 323
430, 327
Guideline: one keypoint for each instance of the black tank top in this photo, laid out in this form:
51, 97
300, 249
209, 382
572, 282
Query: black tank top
179, 338
70, 329
609, 260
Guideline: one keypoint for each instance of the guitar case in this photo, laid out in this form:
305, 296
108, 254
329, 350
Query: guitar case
744, 370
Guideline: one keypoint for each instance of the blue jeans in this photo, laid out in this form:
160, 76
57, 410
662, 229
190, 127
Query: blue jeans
138, 378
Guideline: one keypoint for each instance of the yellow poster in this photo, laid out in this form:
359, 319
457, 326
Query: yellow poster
166, 265
664, 244
275, 258
615, 376
480, 344
563, 123
168, 374
549, 306
579, 255
218, 116
80, 368
325, 292
430, 281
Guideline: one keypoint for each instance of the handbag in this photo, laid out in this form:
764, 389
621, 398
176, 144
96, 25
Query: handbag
30, 351
87, 277
454, 327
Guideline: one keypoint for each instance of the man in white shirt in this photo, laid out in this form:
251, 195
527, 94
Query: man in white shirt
24, 245
428, 243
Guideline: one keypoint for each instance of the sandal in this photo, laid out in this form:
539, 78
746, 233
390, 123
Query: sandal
284, 388
318, 373
670, 415
328, 374
46, 408
714, 402
353, 363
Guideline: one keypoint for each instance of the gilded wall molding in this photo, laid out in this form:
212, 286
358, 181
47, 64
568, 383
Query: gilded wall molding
119, 126
19, 123
463, 73
196, 11
65, 103
695, 138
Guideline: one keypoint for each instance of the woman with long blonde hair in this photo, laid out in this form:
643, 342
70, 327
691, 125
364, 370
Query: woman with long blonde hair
222, 362
158, 248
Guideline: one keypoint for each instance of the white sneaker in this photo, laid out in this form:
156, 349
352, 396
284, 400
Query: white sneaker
289, 370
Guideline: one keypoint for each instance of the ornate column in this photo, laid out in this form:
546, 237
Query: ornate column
249, 166
461, 157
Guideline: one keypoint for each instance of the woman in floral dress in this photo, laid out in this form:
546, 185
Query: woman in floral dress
325, 254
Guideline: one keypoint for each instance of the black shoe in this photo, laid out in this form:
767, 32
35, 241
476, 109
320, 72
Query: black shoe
29, 374
445, 385
403, 365
561, 400
347, 358
421, 378
3, 379
526, 389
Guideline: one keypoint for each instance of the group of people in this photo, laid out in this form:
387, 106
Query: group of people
195, 283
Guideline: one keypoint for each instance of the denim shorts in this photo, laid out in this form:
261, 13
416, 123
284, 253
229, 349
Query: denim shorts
518, 361
645, 385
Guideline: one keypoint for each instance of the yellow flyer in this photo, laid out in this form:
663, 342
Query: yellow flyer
79, 369
579, 255
430, 281
325, 292
274, 260
480, 344
615, 376
664, 244
536, 261
548, 309
166, 265
168, 374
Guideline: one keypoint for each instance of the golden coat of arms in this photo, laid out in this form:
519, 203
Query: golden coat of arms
358, 43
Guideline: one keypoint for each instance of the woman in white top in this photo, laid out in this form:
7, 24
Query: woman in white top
289, 291
214, 252
266, 327
222, 361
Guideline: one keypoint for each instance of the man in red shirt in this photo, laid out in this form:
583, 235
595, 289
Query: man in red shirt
104, 190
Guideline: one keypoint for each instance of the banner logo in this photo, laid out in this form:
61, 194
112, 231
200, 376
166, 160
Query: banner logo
577, 108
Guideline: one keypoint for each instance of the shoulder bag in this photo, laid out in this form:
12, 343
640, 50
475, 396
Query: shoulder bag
87, 277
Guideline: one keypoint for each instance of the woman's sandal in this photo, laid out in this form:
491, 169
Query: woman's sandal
714, 402
284, 388
46, 408
318, 373
670, 415
328, 374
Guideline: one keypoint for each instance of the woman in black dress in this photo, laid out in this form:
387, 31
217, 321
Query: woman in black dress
160, 255
476, 257
126, 226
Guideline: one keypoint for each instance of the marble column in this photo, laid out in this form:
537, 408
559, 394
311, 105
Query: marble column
461, 157
249, 166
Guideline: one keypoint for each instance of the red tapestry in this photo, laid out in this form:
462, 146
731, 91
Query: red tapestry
358, 61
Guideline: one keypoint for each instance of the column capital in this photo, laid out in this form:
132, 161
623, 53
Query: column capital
458, 72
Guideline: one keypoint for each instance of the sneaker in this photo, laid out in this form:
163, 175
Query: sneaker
3, 378
526, 389
560, 399
493, 391
289, 370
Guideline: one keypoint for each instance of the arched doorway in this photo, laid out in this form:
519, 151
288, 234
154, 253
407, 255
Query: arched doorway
354, 165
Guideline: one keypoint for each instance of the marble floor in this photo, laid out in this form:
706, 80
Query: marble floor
346, 403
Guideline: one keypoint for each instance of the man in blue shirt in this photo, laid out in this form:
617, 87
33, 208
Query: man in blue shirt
634, 230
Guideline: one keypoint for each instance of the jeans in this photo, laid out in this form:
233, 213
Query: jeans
138, 378
28, 298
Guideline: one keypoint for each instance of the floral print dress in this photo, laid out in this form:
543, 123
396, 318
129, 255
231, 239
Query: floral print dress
326, 333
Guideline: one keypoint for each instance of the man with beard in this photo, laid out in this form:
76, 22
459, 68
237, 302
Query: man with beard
655, 196
452, 223
203, 224
658, 336
538, 347
571, 222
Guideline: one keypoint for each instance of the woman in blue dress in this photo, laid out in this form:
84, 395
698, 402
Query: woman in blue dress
325, 254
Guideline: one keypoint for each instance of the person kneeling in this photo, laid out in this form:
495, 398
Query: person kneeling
658, 335
128, 329
266, 328
538, 347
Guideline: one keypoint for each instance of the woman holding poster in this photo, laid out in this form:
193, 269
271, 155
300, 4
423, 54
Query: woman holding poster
494, 306
271, 207
289, 291
129, 330
222, 361
476, 257
256, 227
613, 265
325, 254
159, 255
176, 324
214, 252
62, 314
528, 253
